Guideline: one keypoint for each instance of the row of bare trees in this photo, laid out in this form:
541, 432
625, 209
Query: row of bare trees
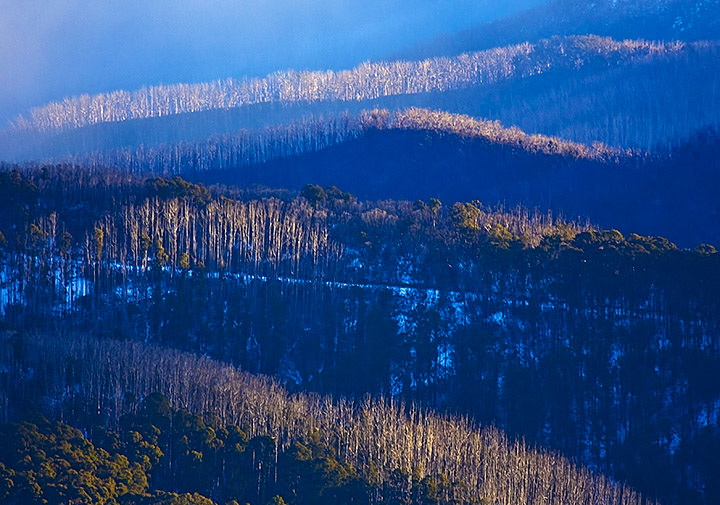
223, 152
224, 234
373, 435
367, 81
560, 332
250, 148
490, 131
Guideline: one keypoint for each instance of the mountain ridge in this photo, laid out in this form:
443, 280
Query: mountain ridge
384, 79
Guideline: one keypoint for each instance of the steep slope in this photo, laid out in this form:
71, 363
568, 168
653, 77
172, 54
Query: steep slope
377, 437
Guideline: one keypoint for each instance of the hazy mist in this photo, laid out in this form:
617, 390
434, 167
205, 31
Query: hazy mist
52, 49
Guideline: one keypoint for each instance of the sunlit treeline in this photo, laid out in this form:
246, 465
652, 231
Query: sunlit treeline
249, 148
134, 224
491, 131
90, 380
653, 104
367, 81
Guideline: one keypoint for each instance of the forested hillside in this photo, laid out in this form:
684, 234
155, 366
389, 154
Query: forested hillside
368, 81
255, 440
453, 157
481, 273
573, 337
383, 154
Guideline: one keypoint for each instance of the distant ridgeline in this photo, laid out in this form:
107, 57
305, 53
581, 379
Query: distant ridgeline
368, 81
661, 94
601, 346
651, 107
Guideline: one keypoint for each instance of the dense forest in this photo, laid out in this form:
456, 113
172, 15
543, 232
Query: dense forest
574, 337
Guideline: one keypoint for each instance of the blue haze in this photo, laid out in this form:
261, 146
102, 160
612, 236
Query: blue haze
50, 49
